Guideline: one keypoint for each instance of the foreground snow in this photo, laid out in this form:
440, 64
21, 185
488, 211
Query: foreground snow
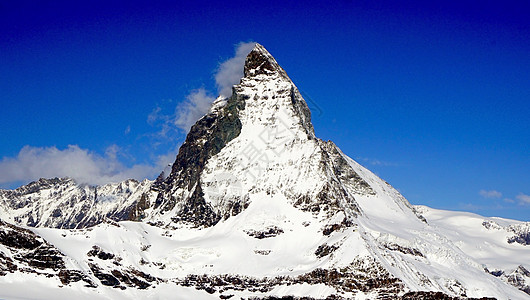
452, 251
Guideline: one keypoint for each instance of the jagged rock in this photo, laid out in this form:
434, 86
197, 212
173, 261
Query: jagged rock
332, 297
205, 139
17, 237
268, 232
330, 228
137, 211
28, 248
520, 278
522, 234
435, 296
69, 276
104, 278
129, 280
7, 265
99, 253
357, 277
43, 257
404, 250
324, 250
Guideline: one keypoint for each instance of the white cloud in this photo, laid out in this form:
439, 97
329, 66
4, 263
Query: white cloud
198, 102
196, 105
523, 199
377, 162
231, 71
490, 194
154, 115
84, 166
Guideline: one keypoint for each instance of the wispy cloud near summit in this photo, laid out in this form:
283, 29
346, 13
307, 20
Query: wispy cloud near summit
196, 105
198, 102
231, 71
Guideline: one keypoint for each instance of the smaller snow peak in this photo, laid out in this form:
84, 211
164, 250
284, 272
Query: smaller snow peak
43, 183
260, 61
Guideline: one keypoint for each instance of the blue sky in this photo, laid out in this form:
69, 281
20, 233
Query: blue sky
434, 98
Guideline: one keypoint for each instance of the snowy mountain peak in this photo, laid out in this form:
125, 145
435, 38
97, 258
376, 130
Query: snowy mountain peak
263, 118
261, 66
255, 206
260, 61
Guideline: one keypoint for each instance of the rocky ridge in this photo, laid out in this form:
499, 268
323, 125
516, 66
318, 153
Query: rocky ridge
62, 203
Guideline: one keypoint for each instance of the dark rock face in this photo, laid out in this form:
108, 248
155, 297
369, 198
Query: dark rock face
408, 296
325, 250
333, 197
331, 297
136, 213
15, 237
347, 281
269, 232
7, 265
491, 225
99, 253
496, 273
345, 173
194, 210
404, 250
523, 239
104, 278
435, 296
69, 276
205, 139
27, 249
521, 231
233, 208
259, 64
359, 276
330, 228
44, 257
522, 235
117, 278
516, 278
259, 61
130, 281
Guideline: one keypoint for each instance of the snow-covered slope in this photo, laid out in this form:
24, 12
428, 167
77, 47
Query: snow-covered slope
257, 206
500, 245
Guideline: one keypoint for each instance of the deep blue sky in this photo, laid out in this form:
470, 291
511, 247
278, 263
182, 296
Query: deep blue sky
434, 98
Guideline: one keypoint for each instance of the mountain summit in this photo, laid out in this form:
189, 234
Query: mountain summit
255, 206
234, 145
260, 61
